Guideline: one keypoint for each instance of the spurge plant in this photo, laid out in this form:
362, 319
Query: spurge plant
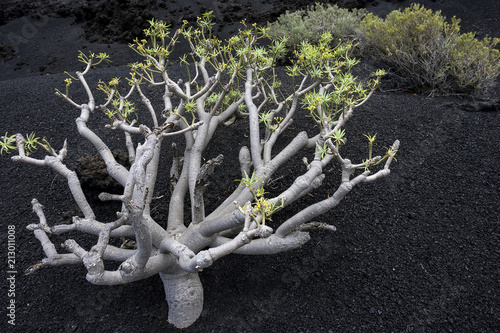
231, 80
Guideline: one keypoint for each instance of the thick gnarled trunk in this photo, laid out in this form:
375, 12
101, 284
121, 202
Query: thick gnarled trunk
184, 294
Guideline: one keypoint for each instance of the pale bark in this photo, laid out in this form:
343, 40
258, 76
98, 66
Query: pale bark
182, 246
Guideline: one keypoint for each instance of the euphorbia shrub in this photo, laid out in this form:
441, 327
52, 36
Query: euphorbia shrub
224, 80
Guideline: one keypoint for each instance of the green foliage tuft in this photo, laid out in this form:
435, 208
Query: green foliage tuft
7, 143
30, 143
429, 54
309, 25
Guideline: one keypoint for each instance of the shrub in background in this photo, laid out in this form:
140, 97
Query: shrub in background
429, 54
308, 25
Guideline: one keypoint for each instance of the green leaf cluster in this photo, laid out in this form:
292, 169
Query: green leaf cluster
231, 59
7, 143
122, 108
346, 93
227, 56
428, 53
309, 24
231, 97
269, 121
261, 205
31, 143
155, 50
93, 58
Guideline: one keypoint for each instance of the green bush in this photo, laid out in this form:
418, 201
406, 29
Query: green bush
308, 25
429, 54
